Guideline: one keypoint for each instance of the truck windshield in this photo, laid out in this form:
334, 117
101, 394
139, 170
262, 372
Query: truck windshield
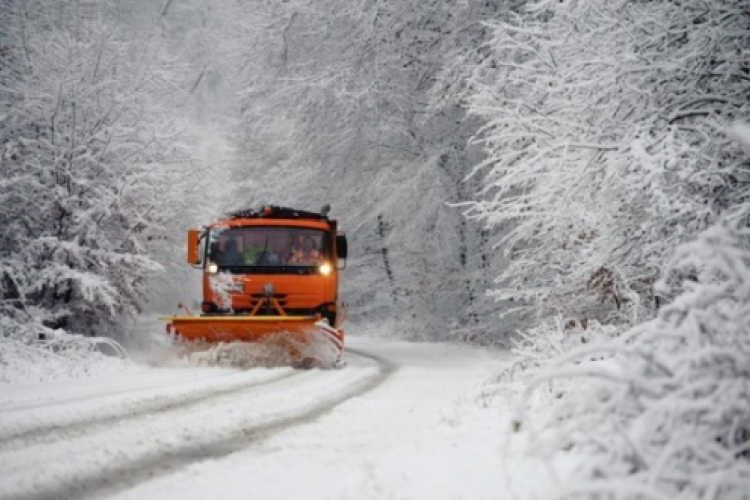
268, 249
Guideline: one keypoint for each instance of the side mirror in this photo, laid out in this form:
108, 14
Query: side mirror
342, 247
193, 247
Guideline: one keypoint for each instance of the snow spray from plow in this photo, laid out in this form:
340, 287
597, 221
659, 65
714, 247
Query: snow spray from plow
245, 345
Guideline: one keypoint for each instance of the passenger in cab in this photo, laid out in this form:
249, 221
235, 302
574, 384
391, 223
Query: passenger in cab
307, 255
256, 246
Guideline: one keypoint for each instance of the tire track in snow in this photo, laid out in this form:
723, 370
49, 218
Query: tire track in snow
101, 392
109, 480
131, 410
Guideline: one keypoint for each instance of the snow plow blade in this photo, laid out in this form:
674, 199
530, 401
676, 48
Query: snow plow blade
305, 340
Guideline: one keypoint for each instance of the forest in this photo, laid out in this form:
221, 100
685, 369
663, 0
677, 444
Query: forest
565, 179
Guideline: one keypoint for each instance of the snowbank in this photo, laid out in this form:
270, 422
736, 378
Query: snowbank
63, 357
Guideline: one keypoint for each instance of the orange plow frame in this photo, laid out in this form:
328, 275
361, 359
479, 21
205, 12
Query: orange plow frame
289, 332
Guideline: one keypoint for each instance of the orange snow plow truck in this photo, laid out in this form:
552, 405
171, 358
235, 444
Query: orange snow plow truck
270, 279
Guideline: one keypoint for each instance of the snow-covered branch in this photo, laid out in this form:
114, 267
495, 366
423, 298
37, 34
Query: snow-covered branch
606, 145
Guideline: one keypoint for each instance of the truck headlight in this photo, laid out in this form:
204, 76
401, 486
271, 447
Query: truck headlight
325, 269
212, 268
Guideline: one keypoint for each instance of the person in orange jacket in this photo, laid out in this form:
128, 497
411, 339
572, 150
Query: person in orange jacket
307, 254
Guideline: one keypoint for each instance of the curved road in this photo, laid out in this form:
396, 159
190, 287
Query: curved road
261, 433
46, 453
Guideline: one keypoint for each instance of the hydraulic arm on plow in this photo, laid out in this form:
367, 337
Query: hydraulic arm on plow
270, 277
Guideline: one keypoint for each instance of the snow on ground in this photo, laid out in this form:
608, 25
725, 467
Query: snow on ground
21, 362
402, 420
419, 436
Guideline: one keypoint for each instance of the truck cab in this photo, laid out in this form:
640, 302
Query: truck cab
276, 261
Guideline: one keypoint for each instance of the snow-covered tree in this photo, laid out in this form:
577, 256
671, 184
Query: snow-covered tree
92, 166
606, 145
336, 108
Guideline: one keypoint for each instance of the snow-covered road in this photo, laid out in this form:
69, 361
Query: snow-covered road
397, 422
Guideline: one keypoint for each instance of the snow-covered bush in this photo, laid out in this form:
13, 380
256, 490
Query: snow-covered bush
90, 163
535, 350
663, 411
606, 145
57, 356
